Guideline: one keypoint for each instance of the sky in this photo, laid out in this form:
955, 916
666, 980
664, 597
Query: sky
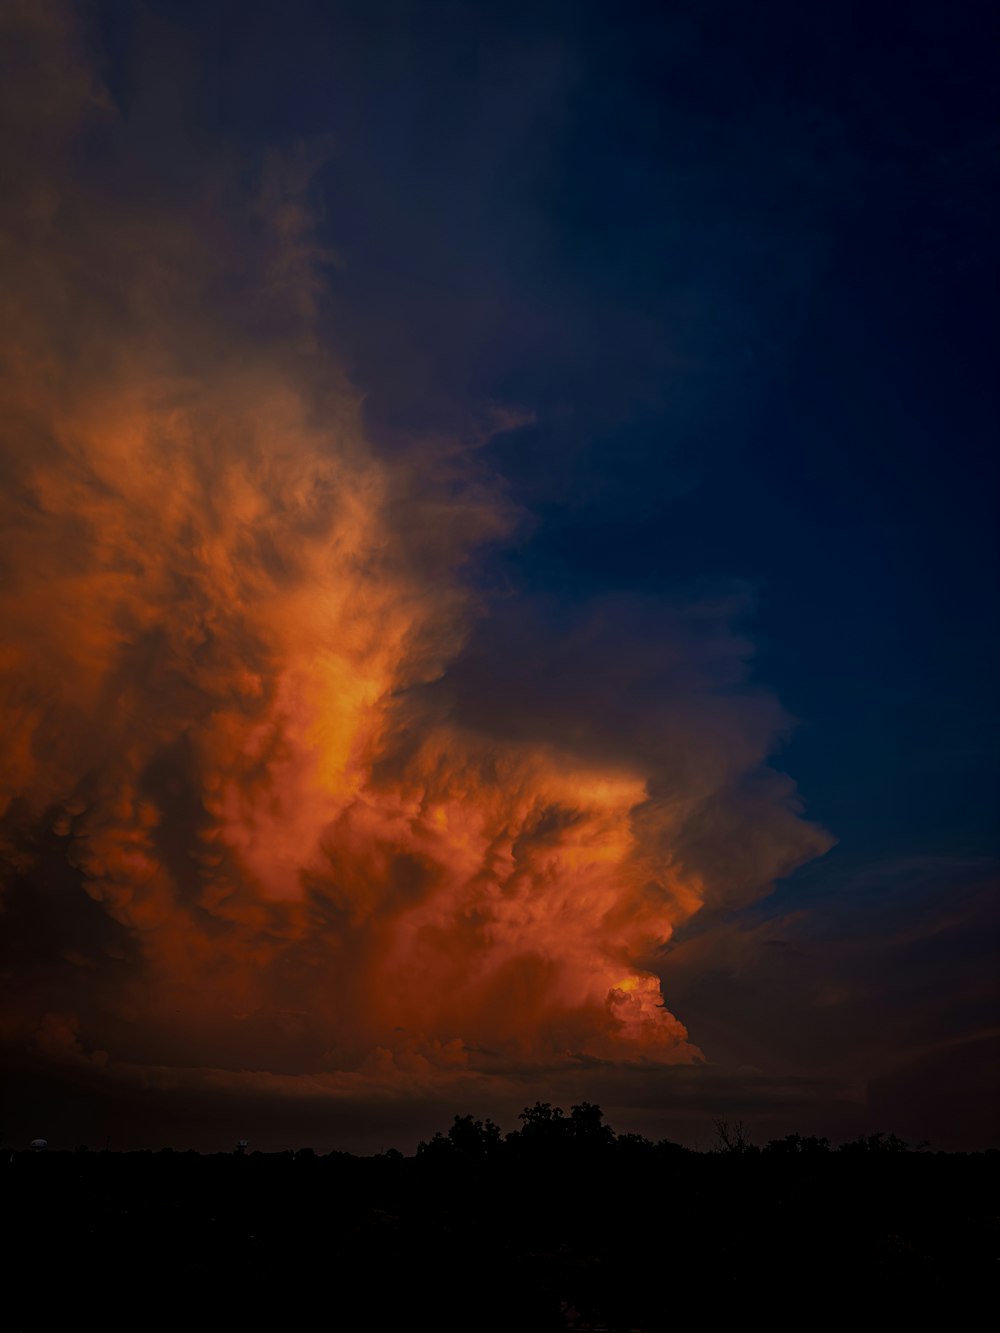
499, 562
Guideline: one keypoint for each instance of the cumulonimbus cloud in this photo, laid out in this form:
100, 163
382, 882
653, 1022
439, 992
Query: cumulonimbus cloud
237, 689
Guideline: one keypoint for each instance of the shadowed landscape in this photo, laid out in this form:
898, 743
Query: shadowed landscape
561, 1224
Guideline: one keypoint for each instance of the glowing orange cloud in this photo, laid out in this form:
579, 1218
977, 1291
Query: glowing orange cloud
219, 605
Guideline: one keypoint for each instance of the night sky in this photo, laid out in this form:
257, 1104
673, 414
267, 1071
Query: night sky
499, 571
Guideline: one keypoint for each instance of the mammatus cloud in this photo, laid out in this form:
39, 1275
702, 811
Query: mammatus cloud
240, 708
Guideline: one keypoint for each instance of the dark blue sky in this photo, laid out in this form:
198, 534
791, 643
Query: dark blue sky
735, 268
739, 266
707, 293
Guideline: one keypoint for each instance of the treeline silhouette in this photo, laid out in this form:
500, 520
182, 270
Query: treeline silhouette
560, 1224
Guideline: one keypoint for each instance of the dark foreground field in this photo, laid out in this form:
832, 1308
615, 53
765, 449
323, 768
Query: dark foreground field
560, 1226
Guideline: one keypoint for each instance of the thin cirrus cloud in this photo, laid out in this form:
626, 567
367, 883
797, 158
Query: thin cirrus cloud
289, 807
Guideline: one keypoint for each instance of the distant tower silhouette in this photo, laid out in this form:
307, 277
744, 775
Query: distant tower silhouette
242, 1147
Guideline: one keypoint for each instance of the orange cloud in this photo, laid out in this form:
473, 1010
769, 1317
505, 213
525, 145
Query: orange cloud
221, 605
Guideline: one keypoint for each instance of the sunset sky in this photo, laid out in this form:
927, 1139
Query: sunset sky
499, 589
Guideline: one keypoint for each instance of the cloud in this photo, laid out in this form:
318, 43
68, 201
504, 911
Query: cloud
297, 798
887, 981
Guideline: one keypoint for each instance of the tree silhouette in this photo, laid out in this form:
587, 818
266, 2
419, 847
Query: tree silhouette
587, 1125
877, 1143
478, 1140
733, 1138
797, 1143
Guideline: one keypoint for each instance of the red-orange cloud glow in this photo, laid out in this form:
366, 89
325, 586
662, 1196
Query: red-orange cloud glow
220, 608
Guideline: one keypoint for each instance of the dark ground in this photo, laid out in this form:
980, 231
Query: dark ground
559, 1226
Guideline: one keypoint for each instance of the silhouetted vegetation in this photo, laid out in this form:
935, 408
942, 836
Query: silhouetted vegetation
559, 1224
